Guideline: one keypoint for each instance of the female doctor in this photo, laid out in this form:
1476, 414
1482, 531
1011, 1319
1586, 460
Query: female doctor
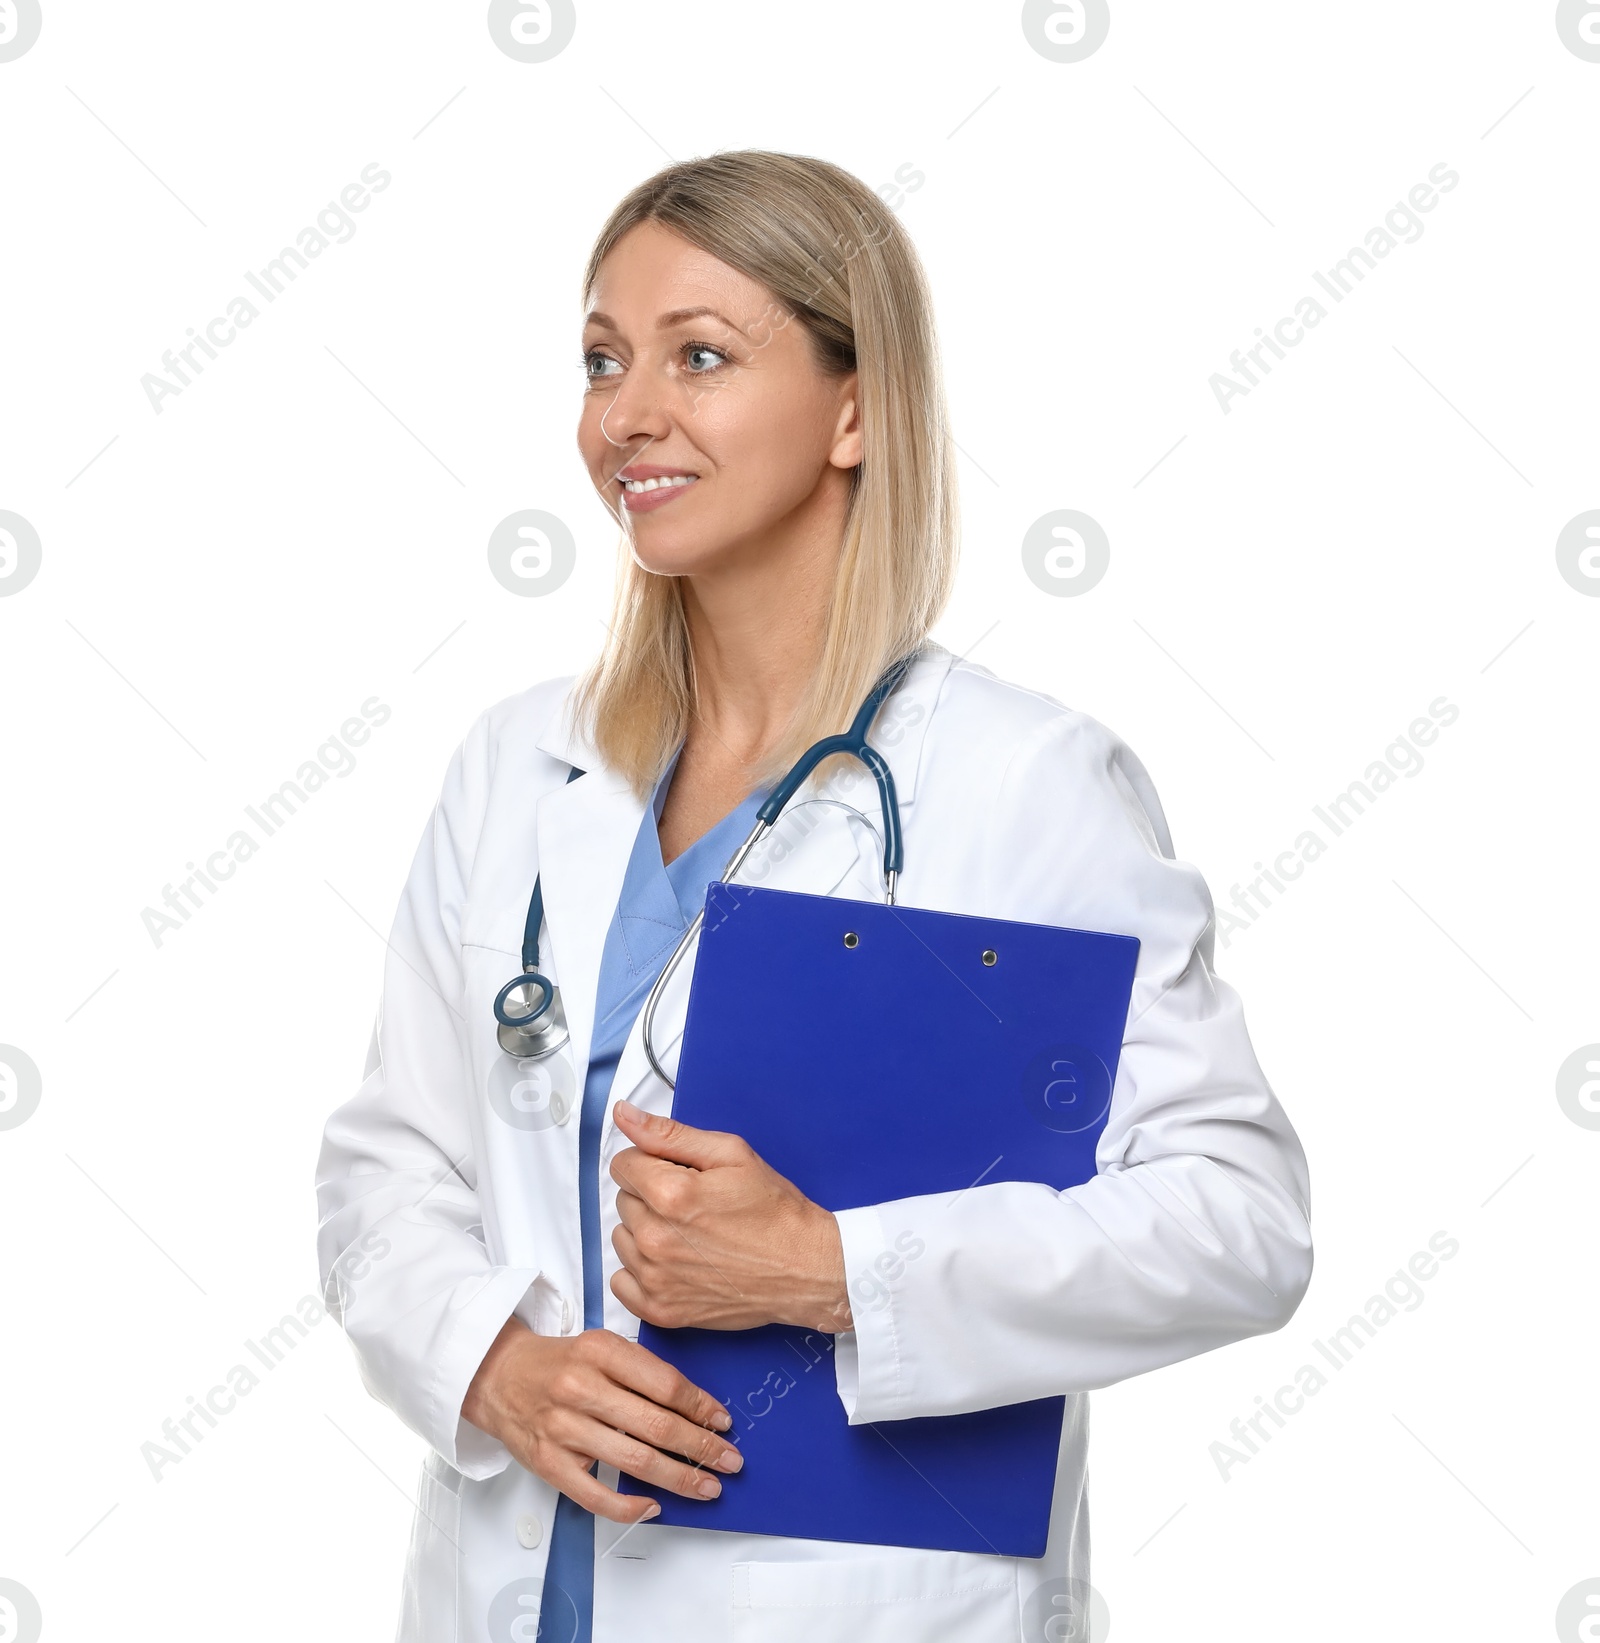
763, 414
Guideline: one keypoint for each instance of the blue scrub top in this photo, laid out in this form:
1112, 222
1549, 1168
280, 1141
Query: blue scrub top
656, 906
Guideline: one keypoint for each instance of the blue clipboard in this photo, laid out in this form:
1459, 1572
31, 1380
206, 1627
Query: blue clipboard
961, 1050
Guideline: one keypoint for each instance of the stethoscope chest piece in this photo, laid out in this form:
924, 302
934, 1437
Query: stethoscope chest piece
532, 1023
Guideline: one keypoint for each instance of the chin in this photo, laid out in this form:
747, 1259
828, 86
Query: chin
671, 553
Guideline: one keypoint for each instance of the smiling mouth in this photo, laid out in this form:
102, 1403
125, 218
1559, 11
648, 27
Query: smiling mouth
645, 495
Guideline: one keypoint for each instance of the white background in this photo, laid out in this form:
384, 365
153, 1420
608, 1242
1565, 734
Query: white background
1291, 584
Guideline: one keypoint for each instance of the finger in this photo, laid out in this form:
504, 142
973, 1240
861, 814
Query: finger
654, 1181
664, 1186
633, 1295
648, 1464
681, 1143
674, 1436
589, 1492
627, 1248
639, 1370
625, 1164
630, 1209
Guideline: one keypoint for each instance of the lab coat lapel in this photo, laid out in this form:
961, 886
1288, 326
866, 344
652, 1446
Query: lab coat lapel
586, 830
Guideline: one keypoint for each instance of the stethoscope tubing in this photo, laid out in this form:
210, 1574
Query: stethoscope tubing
522, 1035
853, 741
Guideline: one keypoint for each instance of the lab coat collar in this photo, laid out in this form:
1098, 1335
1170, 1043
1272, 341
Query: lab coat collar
586, 830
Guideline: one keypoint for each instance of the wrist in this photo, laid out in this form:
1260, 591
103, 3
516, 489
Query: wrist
828, 1300
483, 1405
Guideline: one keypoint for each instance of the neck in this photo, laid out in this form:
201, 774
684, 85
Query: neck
756, 626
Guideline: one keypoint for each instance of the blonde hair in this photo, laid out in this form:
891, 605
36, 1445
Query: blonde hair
835, 257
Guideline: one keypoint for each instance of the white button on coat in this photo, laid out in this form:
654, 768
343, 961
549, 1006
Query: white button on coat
1193, 1233
530, 1531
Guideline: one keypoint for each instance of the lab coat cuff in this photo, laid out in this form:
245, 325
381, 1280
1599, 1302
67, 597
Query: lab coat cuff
866, 1358
475, 1319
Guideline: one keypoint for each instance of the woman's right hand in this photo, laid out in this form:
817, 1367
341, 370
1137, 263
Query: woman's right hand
561, 1402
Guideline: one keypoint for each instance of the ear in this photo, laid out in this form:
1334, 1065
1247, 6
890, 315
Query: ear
846, 450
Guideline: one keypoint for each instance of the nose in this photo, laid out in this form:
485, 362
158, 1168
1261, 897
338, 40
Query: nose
638, 409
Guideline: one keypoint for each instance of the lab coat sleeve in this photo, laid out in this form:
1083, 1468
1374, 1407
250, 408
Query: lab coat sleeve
400, 1241
1195, 1229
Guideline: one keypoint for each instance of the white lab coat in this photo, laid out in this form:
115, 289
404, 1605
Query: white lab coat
441, 1216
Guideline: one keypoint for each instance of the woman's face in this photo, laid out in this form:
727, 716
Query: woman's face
695, 371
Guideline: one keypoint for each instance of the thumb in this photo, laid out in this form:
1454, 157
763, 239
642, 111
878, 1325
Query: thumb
677, 1142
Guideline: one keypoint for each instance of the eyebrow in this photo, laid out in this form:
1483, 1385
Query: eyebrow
675, 317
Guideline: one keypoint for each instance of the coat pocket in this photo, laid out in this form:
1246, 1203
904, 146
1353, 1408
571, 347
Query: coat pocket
921, 1597
428, 1607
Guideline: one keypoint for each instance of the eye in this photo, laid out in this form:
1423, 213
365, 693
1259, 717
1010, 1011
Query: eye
691, 349
592, 357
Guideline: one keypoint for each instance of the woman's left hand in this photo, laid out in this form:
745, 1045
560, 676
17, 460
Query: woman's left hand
713, 1238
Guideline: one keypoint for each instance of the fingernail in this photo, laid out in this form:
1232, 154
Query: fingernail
710, 1488
652, 1510
730, 1460
721, 1421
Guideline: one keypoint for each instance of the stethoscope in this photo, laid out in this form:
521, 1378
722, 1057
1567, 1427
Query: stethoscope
528, 1009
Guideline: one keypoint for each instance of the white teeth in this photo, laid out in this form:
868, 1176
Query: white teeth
639, 486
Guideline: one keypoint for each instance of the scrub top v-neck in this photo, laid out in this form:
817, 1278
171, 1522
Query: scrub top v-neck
657, 904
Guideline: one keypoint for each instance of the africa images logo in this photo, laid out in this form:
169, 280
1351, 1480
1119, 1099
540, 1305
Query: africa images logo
20, 22
20, 1619
20, 1089
1578, 24
20, 552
